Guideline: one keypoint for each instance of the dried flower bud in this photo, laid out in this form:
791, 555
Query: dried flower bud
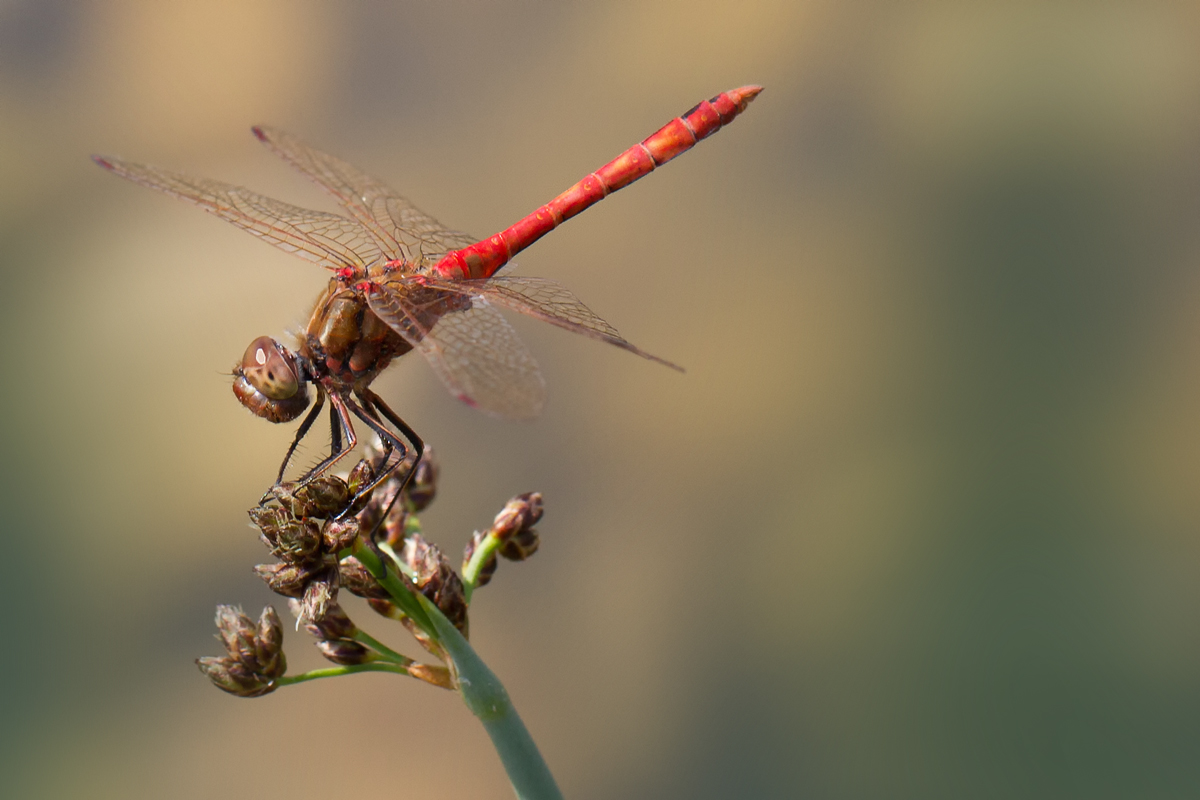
520, 513
286, 579
268, 644
488, 568
319, 595
520, 546
322, 497
269, 519
356, 579
438, 676
422, 488
345, 652
385, 608
337, 535
360, 477
434, 578
236, 631
294, 540
254, 659
334, 624
230, 676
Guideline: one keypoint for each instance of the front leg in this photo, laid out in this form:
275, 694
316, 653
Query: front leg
309, 419
374, 403
392, 444
339, 418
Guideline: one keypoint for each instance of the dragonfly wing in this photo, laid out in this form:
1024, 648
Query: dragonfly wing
472, 348
327, 239
424, 236
548, 301
401, 229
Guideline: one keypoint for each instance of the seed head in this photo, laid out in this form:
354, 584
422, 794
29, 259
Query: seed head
355, 578
360, 477
521, 513
345, 652
295, 540
269, 519
254, 657
423, 487
286, 579
512, 533
337, 535
319, 595
335, 624
520, 545
237, 631
436, 579
322, 497
268, 644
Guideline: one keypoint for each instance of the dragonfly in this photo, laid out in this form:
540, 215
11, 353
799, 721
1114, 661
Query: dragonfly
402, 281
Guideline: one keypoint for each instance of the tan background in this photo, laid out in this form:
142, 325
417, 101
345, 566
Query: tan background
920, 520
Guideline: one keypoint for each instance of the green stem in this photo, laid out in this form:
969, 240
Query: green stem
470, 575
481, 690
333, 672
488, 700
362, 637
398, 589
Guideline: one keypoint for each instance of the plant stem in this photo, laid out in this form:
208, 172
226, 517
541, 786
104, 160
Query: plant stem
333, 672
488, 700
362, 637
481, 690
396, 587
470, 573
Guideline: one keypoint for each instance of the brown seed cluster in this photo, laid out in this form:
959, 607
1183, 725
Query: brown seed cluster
254, 657
302, 529
309, 530
512, 533
334, 631
436, 579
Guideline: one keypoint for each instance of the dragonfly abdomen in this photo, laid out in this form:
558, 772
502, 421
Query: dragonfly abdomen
482, 259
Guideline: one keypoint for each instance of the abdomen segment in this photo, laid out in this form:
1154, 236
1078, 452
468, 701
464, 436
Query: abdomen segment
482, 259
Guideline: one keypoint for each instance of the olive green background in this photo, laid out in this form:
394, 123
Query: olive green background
920, 521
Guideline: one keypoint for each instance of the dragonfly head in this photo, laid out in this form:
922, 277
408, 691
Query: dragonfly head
268, 381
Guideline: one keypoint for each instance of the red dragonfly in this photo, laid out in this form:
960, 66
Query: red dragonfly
402, 281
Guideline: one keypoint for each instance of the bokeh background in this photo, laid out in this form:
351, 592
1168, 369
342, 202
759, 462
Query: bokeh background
921, 520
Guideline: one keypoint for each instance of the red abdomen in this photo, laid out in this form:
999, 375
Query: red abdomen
482, 259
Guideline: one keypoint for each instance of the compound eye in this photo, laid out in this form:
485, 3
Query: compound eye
270, 369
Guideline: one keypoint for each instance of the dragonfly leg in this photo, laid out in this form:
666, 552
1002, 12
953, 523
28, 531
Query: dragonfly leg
335, 430
391, 416
302, 431
376, 404
368, 414
393, 444
340, 420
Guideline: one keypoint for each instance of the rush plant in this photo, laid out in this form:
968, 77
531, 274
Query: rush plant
326, 541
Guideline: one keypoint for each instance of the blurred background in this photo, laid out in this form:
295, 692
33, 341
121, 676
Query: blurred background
921, 519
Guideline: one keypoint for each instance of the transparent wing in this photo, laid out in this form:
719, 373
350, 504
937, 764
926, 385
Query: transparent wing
401, 229
546, 300
470, 346
326, 239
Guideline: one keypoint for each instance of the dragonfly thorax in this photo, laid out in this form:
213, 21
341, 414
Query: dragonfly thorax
345, 342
